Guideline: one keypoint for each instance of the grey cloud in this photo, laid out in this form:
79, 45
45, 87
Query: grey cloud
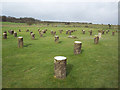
96, 12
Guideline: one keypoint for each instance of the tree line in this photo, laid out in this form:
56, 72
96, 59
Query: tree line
27, 20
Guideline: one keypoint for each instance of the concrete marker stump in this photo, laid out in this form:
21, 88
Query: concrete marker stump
56, 39
77, 47
31, 33
15, 34
4, 35
96, 39
20, 42
33, 36
66, 31
60, 63
91, 32
11, 32
51, 32
83, 31
103, 32
113, 33
41, 34
19, 30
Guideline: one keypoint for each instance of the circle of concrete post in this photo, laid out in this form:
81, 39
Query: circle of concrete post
83, 31
4, 35
31, 33
66, 31
33, 36
60, 67
15, 34
77, 47
20, 42
96, 39
113, 33
11, 32
56, 39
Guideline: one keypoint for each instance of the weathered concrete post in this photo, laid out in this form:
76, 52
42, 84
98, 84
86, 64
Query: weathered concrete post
60, 31
83, 31
33, 36
106, 31
31, 33
113, 33
19, 30
56, 39
60, 63
77, 47
20, 42
51, 32
103, 32
90, 32
96, 39
4, 35
11, 32
66, 31
27, 30
69, 32
15, 34
41, 34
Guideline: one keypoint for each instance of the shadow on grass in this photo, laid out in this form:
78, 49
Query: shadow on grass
69, 68
27, 45
82, 51
60, 42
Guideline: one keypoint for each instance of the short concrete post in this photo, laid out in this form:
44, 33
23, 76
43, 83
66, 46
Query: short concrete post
51, 32
66, 31
15, 34
41, 34
113, 33
27, 30
4, 35
60, 31
11, 32
19, 30
90, 32
106, 31
83, 31
31, 33
96, 39
33, 36
69, 32
60, 63
20, 42
56, 39
103, 32
77, 47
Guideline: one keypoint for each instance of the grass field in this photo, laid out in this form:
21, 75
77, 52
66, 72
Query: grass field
33, 65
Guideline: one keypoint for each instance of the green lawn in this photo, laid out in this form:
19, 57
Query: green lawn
33, 65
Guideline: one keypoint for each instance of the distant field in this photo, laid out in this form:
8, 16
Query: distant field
33, 65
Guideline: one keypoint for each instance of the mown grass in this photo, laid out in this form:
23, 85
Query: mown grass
33, 65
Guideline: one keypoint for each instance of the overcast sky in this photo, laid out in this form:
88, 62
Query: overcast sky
95, 12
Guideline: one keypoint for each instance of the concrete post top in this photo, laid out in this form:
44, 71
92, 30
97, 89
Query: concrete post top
56, 36
32, 34
20, 37
77, 42
96, 35
60, 58
4, 33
